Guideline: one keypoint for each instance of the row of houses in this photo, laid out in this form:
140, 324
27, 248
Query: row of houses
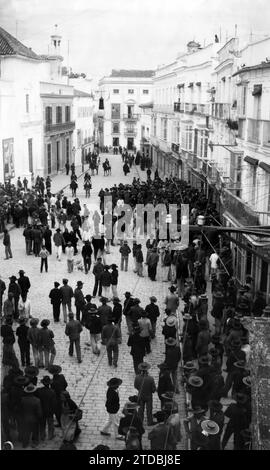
45, 121
205, 119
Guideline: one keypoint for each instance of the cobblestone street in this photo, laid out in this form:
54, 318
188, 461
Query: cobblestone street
87, 381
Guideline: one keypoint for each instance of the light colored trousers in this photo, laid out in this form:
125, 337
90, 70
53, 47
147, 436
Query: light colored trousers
58, 250
95, 342
112, 421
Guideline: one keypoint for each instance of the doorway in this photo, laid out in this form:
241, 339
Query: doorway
130, 143
115, 141
57, 155
49, 158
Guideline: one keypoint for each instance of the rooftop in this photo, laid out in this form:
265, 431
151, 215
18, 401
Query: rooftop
262, 65
9, 45
82, 94
132, 73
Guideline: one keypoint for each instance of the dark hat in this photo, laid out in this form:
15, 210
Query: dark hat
30, 388
236, 342
198, 410
21, 380
190, 365
240, 364
114, 382
144, 366
103, 299
247, 381
127, 294
93, 309
65, 280
195, 381
116, 299
203, 360
71, 315
79, 283
172, 288
211, 427
160, 416
54, 369
153, 298
169, 396
13, 278
88, 297
114, 266
133, 398
22, 320
58, 230
203, 297
170, 341
136, 300
46, 380
21, 271
31, 371
45, 322
56, 284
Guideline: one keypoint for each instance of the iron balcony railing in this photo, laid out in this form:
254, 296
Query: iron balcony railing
60, 127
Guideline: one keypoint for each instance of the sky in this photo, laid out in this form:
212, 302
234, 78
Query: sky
142, 34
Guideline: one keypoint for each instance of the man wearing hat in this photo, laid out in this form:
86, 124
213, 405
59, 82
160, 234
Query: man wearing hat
146, 330
46, 344
32, 336
56, 298
114, 280
59, 384
47, 398
92, 322
70, 256
137, 344
136, 311
97, 271
165, 383
73, 331
66, 295
216, 415
112, 406
79, 300
217, 310
153, 313
117, 312
239, 415
15, 289
128, 303
24, 283
172, 358
162, 436
31, 414
131, 419
105, 279
111, 337
146, 386
172, 300
59, 242
23, 342
104, 311
193, 428
125, 251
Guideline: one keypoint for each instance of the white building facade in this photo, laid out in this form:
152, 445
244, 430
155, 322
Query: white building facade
83, 110
123, 92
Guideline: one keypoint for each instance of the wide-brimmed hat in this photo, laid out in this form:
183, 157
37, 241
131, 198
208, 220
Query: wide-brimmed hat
31, 371
144, 366
116, 299
136, 300
21, 380
21, 271
190, 365
114, 382
170, 341
197, 410
34, 321
54, 369
46, 380
79, 283
88, 297
22, 320
103, 299
211, 427
160, 416
247, 381
30, 388
56, 284
93, 309
65, 280
240, 364
131, 406
171, 321
114, 265
187, 316
133, 398
195, 381
203, 360
127, 294
153, 298
169, 396
45, 322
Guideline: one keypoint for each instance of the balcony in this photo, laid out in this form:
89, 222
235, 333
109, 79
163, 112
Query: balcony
202, 109
59, 127
221, 110
131, 117
115, 116
178, 107
242, 212
130, 132
191, 108
254, 131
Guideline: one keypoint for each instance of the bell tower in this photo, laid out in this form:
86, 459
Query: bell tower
55, 47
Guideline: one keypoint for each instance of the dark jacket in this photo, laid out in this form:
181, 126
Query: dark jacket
55, 296
152, 311
67, 293
137, 344
79, 297
117, 313
73, 329
22, 332
114, 277
110, 334
173, 356
112, 401
145, 384
47, 398
105, 278
98, 270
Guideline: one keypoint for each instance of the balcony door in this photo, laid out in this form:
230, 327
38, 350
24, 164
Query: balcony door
58, 155
49, 158
130, 111
130, 143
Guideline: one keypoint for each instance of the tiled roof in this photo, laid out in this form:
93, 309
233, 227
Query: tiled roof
132, 73
11, 46
82, 94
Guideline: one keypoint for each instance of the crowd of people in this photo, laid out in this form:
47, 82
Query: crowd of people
203, 347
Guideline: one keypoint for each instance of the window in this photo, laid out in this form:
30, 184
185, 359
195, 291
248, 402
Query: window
115, 128
67, 150
27, 103
130, 92
145, 92
49, 158
154, 127
58, 114
243, 101
30, 155
164, 128
116, 91
48, 114
187, 138
67, 113
116, 111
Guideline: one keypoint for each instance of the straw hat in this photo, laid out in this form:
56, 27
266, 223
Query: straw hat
171, 321
195, 381
211, 427
144, 366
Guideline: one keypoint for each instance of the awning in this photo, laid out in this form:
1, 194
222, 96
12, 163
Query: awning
181, 85
198, 83
257, 90
251, 161
265, 166
190, 85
